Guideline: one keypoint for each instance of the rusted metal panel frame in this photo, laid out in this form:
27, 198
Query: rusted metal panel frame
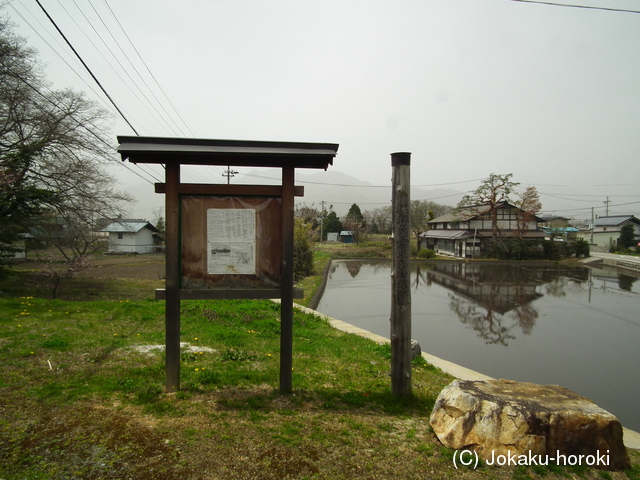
229, 190
172, 305
230, 294
286, 304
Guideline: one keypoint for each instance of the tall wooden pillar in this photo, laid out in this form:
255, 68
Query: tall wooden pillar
172, 321
401, 277
286, 315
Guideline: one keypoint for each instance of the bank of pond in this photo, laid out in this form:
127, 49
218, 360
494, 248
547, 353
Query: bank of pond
569, 325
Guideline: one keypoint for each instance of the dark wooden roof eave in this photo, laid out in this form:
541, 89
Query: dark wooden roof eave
164, 150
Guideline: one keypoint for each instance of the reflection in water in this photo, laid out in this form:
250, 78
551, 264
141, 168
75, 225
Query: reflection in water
543, 323
625, 282
490, 299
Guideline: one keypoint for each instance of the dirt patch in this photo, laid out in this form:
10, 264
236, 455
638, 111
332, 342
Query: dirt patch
91, 442
139, 267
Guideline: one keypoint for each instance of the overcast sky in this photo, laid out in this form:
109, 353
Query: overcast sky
470, 87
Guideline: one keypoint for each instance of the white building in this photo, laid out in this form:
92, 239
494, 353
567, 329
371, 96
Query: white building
606, 230
132, 236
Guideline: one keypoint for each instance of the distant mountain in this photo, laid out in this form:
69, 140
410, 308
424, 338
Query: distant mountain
342, 190
332, 187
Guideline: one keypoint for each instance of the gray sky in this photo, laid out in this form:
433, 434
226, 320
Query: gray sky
470, 87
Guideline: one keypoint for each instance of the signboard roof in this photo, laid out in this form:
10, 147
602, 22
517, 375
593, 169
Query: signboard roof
242, 153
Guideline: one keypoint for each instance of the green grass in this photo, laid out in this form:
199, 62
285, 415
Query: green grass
78, 399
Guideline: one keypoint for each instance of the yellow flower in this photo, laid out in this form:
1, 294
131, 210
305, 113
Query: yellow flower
196, 369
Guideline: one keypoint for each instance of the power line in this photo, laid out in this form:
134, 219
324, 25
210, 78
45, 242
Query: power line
147, 67
72, 68
87, 67
54, 50
367, 186
124, 82
115, 39
61, 49
578, 6
157, 114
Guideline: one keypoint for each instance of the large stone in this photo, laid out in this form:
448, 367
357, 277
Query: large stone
501, 417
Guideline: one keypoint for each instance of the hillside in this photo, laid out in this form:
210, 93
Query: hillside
332, 187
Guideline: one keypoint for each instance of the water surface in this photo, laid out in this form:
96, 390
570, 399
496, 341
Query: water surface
577, 327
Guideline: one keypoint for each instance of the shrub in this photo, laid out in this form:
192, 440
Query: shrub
581, 248
426, 253
302, 250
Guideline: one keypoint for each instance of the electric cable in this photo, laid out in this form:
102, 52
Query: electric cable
87, 68
578, 6
114, 38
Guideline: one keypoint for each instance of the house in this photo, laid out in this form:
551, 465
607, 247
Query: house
560, 234
606, 230
346, 236
132, 236
465, 232
554, 222
557, 228
332, 236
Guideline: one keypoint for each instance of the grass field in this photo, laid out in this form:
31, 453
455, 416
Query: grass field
82, 376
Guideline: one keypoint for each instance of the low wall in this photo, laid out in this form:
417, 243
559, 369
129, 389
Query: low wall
622, 263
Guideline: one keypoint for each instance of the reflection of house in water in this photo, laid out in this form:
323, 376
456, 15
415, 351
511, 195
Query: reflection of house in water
497, 289
484, 296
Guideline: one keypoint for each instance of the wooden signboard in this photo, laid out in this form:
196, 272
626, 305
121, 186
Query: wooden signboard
227, 241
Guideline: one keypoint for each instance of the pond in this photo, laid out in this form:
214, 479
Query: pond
574, 326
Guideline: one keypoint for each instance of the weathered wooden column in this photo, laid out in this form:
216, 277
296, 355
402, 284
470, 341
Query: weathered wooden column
172, 305
401, 276
286, 304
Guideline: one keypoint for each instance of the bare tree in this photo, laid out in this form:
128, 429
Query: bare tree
378, 220
529, 204
491, 192
423, 211
53, 154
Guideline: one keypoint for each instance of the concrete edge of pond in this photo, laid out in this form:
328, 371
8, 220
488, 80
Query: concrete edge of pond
630, 437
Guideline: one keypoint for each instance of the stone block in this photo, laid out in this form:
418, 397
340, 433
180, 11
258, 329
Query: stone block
505, 418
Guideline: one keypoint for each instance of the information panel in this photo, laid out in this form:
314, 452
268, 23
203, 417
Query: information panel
231, 241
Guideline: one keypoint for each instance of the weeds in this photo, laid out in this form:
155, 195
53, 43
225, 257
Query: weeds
82, 396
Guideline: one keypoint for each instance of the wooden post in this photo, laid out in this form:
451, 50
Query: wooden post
286, 305
172, 319
401, 277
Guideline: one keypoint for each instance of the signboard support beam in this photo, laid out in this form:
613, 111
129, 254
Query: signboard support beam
172, 322
286, 305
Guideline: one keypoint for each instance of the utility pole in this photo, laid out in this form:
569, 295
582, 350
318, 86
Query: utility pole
322, 222
593, 222
229, 174
607, 204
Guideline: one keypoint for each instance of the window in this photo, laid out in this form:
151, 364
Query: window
120, 236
